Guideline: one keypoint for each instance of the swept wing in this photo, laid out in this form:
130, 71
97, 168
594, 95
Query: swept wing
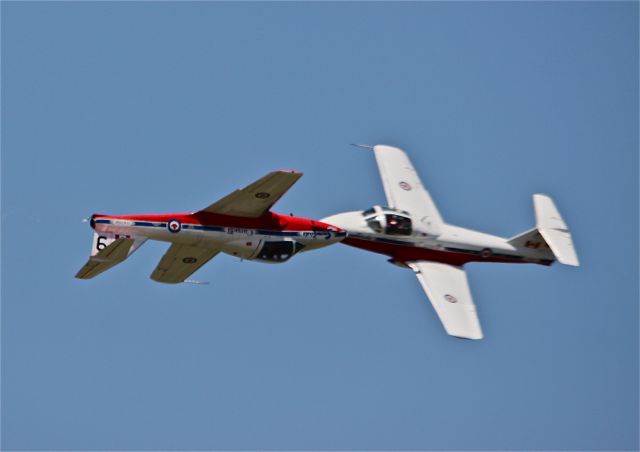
448, 290
404, 189
180, 261
257, 198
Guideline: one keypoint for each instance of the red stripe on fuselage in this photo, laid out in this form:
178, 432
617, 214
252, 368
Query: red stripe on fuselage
270, 221
408, 253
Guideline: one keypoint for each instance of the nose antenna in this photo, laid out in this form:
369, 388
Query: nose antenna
85, 220
363, 146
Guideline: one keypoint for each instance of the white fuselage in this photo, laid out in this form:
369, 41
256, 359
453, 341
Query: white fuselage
374, 230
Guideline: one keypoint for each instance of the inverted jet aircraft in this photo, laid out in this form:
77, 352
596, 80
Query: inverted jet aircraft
240, 224
412, 232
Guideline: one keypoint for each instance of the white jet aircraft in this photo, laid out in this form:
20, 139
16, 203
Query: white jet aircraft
412, 232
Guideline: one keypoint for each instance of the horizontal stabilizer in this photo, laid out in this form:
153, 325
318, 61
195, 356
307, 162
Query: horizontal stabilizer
554, 230
529, 239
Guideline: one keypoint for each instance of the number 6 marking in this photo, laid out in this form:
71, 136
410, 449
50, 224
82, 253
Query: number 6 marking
100, 245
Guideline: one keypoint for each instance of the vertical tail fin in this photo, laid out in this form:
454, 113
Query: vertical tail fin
108, 249
554, 230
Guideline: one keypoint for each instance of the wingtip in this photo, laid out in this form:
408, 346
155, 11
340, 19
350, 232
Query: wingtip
289, 171
468, 335
570, 262
469, 338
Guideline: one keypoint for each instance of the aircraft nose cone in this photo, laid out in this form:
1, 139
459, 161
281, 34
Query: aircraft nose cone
346, 221
332, 220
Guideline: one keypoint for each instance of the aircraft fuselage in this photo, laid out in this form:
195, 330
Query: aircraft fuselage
453, 245
247, 238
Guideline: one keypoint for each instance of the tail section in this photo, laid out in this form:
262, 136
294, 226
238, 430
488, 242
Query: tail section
108, 250
531, 240
554, 230
550, 239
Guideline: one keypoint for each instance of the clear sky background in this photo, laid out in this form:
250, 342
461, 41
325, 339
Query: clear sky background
166, 107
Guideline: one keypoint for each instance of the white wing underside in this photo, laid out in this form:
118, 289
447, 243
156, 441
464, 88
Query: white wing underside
403, 187
448, 290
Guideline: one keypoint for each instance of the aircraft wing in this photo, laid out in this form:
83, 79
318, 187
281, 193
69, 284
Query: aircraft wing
403, 187
448, 290
180, 261
107, 257
256, 199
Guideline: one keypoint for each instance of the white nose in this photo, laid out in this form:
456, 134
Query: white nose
347, 220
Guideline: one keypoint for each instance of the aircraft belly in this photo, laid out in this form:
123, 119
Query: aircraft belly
314, 243
408, 252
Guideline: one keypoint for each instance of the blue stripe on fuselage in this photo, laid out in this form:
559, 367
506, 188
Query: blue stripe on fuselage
199, 227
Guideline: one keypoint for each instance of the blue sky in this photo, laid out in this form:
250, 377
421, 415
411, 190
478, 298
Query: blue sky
159, 107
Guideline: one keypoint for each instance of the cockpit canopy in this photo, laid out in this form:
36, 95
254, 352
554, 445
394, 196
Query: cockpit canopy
385, 220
